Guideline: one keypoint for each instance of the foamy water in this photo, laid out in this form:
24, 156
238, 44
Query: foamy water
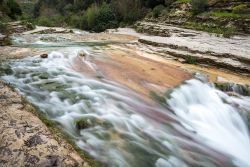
197, 126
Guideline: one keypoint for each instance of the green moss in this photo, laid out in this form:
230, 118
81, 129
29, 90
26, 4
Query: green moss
88, 122
183, 1
224, 14
190, 59
211, 28
239, 8
5, 69
157, 98
157, 10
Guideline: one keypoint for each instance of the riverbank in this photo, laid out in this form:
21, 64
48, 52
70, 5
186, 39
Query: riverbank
195, 47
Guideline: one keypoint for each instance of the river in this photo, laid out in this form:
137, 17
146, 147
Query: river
130, 123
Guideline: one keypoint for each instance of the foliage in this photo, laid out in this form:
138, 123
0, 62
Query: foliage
91, 15
239, 9
3, 28
225, 14
105, 18
190, 59
157, 10
50, 21
199, 6
212, 28
10, 8
14, 9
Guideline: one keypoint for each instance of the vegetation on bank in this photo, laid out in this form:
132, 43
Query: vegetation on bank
99, 15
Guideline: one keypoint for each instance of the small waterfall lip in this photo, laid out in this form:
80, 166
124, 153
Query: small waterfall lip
207, 112
119, 128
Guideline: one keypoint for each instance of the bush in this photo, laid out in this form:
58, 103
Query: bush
3, 28
190, 59
44, 21
14, 9
105, 18
91, 15
50, 21
157, 10
239, 9
199, 6
78, 21
28, 25
99, 18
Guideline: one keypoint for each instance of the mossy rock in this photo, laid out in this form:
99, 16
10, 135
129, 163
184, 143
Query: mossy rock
231, 87
5, 69
44, 76
51, 86
158, 98
73, 97
88, 122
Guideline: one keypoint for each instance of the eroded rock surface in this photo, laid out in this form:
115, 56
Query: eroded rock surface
207, 49
26, 141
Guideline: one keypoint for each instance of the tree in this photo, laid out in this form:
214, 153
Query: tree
199, 6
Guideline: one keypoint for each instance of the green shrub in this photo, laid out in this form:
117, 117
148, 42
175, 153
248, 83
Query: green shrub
157, 10
91, 15
239, 9
199, 6
99, 18
3, 28
230, 31
105, 18
190, 59
14, 9
29, 25
44, 21
52, 21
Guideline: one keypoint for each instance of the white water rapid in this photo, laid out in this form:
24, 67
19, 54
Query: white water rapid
197, 126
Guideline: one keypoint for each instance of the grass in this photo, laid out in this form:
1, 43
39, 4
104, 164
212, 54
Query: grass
223, 14
183, 1
211, 28
190, 59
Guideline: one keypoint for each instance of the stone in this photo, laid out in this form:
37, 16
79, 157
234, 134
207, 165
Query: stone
44, 56
82, 54
34, 141
4, 40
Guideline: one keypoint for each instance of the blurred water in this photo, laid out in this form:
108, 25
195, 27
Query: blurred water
197, 126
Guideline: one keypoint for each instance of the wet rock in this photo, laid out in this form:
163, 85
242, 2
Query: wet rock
4, 40
34, 141
44, 76
5, 69
44, 56
82, 54
52, 86
89, 122
85, 123
236, 88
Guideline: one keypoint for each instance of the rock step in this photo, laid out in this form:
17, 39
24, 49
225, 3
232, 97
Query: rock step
224, 61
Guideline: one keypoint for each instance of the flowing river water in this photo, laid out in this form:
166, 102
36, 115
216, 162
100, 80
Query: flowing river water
192, 125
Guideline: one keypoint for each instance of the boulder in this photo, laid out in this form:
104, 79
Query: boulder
4, 40
44, 56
